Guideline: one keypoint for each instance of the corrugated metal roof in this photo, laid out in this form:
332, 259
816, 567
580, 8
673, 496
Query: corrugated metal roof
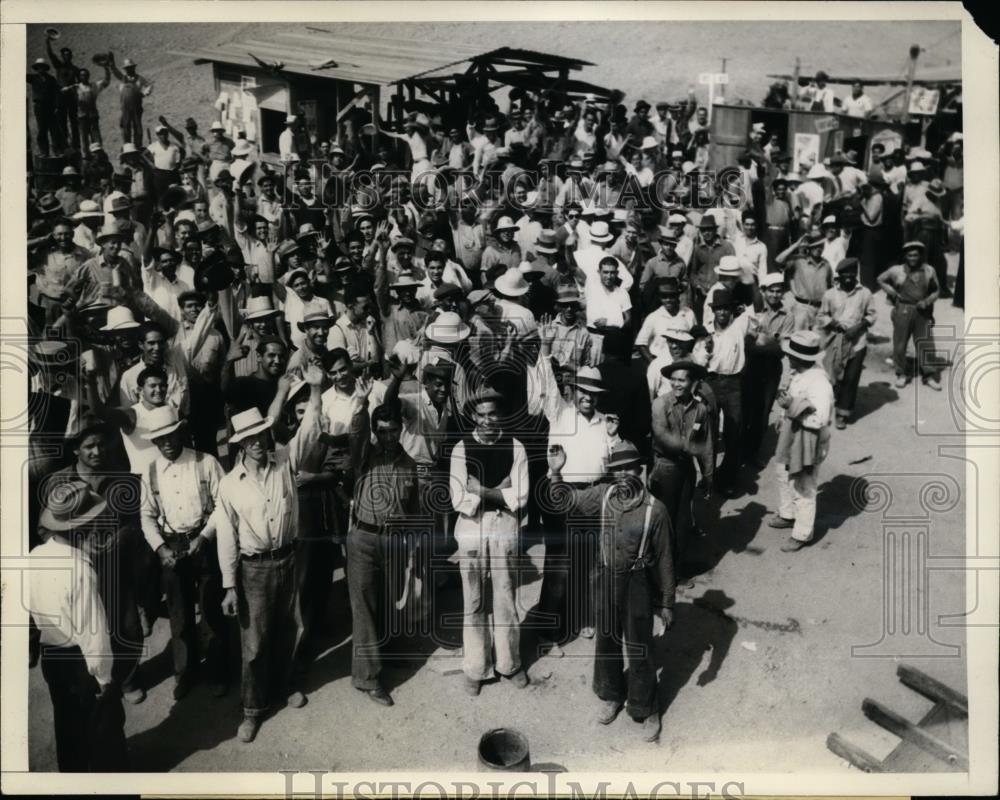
362, 59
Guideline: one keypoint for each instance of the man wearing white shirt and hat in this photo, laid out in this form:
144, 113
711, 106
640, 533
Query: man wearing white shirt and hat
834, 244
286, 140
607, 302
729, 274
259, 320
255, 519
180, 487
804, 440
509, 289
588, 259
89, 219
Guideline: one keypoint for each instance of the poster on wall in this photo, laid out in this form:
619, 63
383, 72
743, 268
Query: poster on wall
806, 150
924, 101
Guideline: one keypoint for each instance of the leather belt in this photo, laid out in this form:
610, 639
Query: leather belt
270, 555
813, 303
361, 525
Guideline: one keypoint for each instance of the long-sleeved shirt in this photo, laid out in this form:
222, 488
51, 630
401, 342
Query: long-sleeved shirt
65, 602
729, 345
705, 258
355, 338
424, 427
686, 425
469, 506
257, 515
623, 521
387, 489
848, 308
586, 441
177, 507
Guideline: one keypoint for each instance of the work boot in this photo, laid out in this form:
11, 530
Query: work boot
134, 696
247, 731
472, 686
778, 521
608, 711
297, 700
841, 422
587, 632
519, 678
932, 383
555, 651
183, 686
650, 728
900, 381
792, 545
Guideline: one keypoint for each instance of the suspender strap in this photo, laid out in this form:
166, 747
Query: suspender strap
645, 526
604, 516
645, 529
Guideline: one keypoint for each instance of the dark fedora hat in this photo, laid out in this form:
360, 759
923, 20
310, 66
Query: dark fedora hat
696, 371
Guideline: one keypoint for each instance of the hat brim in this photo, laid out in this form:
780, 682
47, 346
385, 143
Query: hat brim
303, 325
164, 431
50, 523
506, 228
510, 292
263, 425
589, 386
543, 249
122, 326
817, 357
460, 335
632, 462
263, 314
602, 239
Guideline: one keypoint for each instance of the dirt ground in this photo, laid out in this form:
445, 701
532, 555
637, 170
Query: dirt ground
756, 672
758, 668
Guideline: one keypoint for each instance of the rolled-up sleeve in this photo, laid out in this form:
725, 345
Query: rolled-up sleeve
463, 501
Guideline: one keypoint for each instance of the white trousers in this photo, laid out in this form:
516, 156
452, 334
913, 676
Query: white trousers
797, 495
488, 548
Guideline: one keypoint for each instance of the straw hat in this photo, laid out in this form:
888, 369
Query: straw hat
568, 295
624, 455
258, 308
448, 328
88, 210
804, 345
108, 232
313, 318
511, 283
729, 267
696, 371
600, 233
504, 224
546, 242
405, 281
70, 505
589, 379
772, 279
120, 319
247, 423
161, 421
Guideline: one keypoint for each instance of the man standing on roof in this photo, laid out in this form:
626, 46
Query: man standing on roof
132, 89
858, 104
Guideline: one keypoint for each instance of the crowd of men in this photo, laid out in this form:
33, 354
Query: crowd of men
400, 354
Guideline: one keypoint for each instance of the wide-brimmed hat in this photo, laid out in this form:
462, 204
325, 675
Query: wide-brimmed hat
108, 232
128, 62
161, 421
546, 242
88, 210
52, 353
600, 233
402, 241
49, 204
848, 265
723, 298
589, 379
677, 335
243, 171
568, 295
242, 148
259, 307
708, 221
805, 345
40, 63
491, 124
814, 241
729, 267
817, 171
505, 223
315, 318
214, 273
447, 289
120, 319
915, 245
772, 279
405, 281
69, 505
447, 328
511, 283
247, 423
936, 189
693, 369
648, 143
624, 455
284, 250
677, 219
119, 204
477, 296
531, 267
307, 231
482, 395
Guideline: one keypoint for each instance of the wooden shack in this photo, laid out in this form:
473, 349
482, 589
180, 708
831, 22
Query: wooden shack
801, 134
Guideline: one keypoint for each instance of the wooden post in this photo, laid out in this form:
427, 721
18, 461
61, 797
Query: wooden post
795, 81
914, 54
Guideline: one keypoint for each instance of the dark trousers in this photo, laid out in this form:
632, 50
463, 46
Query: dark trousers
847, 387
162, 179
269, 628
131, 125
672, 483
90, 131
119, 571
89, 727
763, 375
625, 618
47, 125
196, 579
375, 564
67, 118
907, 321
316, 558
729, 397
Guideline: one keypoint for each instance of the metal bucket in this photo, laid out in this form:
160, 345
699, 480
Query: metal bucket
504, 749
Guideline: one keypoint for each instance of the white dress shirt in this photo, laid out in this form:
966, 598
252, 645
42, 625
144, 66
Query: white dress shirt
608, 305
178, 507
65, 602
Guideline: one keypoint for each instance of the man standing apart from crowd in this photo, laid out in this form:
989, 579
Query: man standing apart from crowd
489, 488
132, 89
804, 440
912, 288
635, 586
257, 505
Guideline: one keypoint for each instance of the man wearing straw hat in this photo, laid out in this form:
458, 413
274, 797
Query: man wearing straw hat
502, 253
804, 440
132, 89
489, 488
635, 586
46, 99
259, 321
808, 277
255, 519
65, 603
62, 261
180, 487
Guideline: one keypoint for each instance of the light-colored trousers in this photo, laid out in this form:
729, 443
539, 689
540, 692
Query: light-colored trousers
797, 495
488, 548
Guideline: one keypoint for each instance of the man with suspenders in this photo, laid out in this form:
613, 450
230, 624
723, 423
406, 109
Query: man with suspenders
634, 584
179, 490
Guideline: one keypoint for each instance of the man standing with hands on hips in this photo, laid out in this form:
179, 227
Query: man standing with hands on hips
257, 507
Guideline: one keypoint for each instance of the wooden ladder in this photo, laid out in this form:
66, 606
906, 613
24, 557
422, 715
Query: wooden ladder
939, 742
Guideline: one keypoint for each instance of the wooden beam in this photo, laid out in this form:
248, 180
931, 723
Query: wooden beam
905, 729
932, 688
853, 754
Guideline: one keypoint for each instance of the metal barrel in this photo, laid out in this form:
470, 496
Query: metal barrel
504, 749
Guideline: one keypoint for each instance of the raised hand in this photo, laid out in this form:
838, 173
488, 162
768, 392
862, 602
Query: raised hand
314, 375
